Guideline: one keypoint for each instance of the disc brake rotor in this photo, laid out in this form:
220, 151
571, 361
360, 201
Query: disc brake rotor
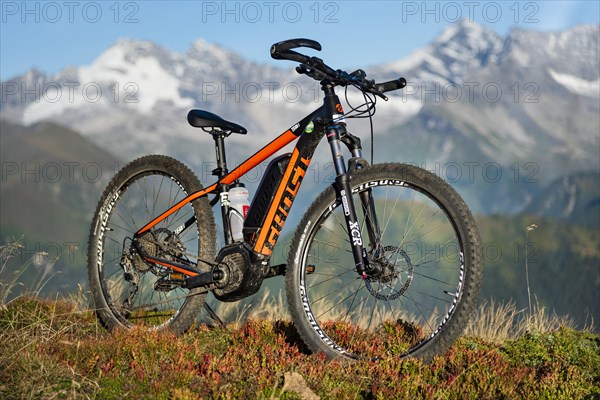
395, 275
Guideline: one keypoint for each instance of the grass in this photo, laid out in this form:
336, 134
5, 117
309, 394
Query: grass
56, 349
52, 350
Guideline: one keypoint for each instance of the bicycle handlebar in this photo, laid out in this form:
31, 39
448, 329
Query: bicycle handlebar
317, 69
391, 85
283, 50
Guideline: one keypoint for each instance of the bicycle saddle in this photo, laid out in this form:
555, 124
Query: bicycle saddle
205, 119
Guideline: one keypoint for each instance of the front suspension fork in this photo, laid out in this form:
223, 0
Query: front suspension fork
344, 195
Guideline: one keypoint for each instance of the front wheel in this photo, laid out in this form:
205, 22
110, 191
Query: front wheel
425, 248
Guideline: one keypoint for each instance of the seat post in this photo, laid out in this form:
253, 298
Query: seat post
221, 170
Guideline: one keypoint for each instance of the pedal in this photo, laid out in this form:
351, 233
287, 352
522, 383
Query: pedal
277, 270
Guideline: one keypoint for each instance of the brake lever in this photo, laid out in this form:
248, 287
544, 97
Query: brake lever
372, 89
369, 86
312, 72
302, 69
378, 93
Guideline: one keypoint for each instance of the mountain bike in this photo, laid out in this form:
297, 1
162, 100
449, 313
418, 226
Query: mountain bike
385, 262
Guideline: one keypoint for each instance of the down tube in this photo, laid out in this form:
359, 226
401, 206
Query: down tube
287, 190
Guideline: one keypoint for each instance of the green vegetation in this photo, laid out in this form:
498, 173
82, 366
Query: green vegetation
563, 260
52, 350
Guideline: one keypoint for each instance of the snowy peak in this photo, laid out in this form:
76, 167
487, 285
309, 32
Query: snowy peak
465, 48
468, 39
458, 49
573, 52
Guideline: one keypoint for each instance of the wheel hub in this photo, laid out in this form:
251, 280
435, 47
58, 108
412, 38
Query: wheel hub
160, 243
391, 274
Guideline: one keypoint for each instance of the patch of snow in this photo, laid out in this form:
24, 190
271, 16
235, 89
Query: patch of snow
520, 56
577, 85
139, 84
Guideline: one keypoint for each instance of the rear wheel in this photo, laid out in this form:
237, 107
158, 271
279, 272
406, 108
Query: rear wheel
426, 259
128, 291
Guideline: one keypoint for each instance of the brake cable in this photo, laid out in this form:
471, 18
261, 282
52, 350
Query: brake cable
370, 104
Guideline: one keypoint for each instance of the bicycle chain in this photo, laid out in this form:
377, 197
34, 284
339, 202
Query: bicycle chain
172, 249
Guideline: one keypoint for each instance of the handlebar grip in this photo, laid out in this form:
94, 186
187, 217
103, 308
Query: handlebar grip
282, 50
391, 85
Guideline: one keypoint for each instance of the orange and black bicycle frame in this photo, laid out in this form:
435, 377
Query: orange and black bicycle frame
327, 121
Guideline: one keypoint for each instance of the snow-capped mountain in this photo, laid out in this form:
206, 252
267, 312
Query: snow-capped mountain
472, 95
451, 57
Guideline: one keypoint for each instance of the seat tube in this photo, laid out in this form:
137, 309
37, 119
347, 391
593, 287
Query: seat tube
220, 172
333, 131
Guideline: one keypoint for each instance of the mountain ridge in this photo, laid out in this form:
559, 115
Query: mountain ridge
524, 98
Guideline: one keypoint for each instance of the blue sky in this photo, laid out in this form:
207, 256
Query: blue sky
50, 35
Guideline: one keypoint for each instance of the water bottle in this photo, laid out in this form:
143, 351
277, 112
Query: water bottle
238, 210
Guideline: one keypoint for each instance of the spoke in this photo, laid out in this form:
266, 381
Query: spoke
330, 245
342, 225
112, 274
332, 231
120, 227
124, 220
171, 203
419, 263
334, 264
413, 224
412, 202
351, 303
128, 204
183, 216
435, 297
323, 274
329, 294
165, 301
385, 204
436, 266
417, 305
338, 303
114, 240
328, 279
433, 279
388, 304
391, 213
423, 224
111, 260
173, 221
162, 178
144, 199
